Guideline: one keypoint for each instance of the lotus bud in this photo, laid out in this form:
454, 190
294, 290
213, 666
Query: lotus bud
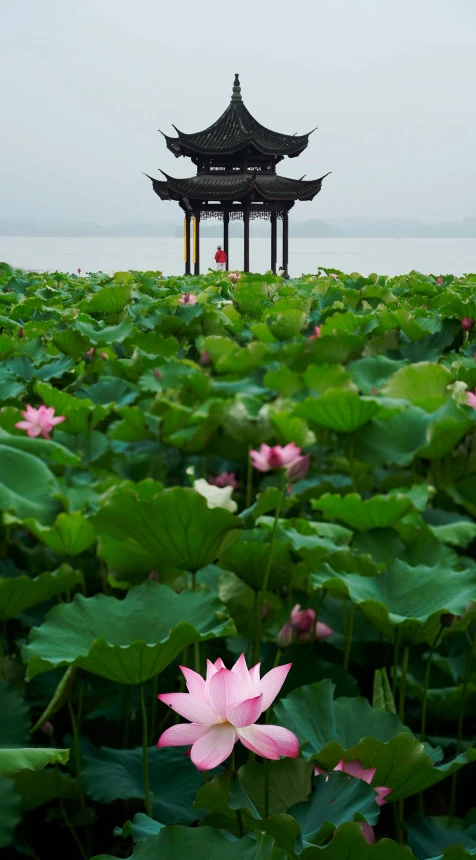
21, 332
467, 323
302, 620
298, 469
47, 729
205, 358
104, 356
157, 374
285, 636
439, 280
79, 271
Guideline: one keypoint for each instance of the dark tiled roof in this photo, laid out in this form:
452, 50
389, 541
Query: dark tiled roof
233, 131
208, 186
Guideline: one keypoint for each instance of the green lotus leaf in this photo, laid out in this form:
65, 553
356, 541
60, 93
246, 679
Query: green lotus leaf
423, 384
335, 800
283, 380
203, 843
446, 427
37, 788
109, 300
14, 760
109, 390
81, 415
27, 487
10, 811
428, 837
140, 828
363, 514
175, 528
112, 774
103, 335
322, 377
394, 439
410, 599
349, 843
14, 719
329, 349
45, 449
70, 535
247, 420
128, 641
70, 342
338, 409
247, 557
21, 592
373, 371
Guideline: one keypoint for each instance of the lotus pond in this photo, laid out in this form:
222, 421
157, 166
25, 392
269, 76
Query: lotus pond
200, 475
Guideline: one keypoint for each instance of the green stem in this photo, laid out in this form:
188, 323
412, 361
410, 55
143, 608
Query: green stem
234, 776
259, 609
249, 479
127, 720
153, 719
266, 788
145, 753
403, 683
348, 636
3, 671
352, 463
196, 656
395, 663
77, 755
427, 684
461, 721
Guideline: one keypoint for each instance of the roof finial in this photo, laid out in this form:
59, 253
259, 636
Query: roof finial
236, 95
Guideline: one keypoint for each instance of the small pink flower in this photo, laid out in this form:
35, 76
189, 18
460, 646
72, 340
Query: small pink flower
467, 323
225, 479
39, 421
285, 635
90, 352
302, 620
317, 333
79, 271
47, 729
188, 299
333, 275
267, 459
439, 280
157, 374
234, 276
223, 709
205, 358
471, 399
21, 332
302, 627
368, 832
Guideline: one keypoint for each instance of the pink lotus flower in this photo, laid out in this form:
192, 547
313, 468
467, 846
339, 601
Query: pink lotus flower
267, 459
234, 276
223, 709
39, 421
355, 769
301, 627
188, 299
298, 469
439, 280
225, 479
471, 399
467, 323
317, 333
205, 358
333, 275
79, 271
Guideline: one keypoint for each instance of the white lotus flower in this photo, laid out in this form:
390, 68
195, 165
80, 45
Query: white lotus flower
217, 497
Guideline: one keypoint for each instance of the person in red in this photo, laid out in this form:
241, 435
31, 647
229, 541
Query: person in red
220, 259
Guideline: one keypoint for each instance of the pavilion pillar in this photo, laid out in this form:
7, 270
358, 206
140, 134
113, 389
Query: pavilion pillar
226, 222
285, 241
246, 237
274, 241
196, 241
186, 242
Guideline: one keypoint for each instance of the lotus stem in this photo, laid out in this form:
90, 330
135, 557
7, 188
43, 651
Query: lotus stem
259, 608
77, 754
234, 775
395, 663
153, 719
145, 752
403, 683
427, 683
249, 478
348, 636
459, 737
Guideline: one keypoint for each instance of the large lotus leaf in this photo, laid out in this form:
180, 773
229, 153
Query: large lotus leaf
290, 428
104, 335
338, 409
394, 439
460, 532
130, 640
10, 813
351, 729
404, 598
27, 487
70, 342
349, 843
289, 782
247, 420
14, 760
38, 788
14, 719
109, 300
447, 426
322, 377
423, 384
203, 843
248, 557
175, 528
373, 371
332, 349
428, 837
109, 390
286, 325
45, 449
18, 593
363, 514
71, 534
112, 774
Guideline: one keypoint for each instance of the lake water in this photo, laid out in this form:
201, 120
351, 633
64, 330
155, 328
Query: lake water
385, 256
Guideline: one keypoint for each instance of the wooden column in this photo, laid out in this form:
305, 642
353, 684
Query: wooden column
196, 241
186, 242
246, 236
274, 241
226, 222
285, 241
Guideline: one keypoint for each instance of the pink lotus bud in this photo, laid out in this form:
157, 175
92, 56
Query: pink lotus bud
188, 299
302, 619
439, 280
47, 729
317, 333
79, 271
471, 399
153, 576
225, 479
90, 352
205, 358
368, 832
104, 356
467, 323
20, 332
285, 636
157, 374
323, 631
374, 391
298, 469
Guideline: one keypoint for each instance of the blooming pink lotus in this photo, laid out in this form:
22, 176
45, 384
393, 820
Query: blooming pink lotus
223, 709
289, 458
301, 627
234, 276
317, 333
333, 275
467, 323
188, 299
471, 399
439, 280
39, 421
225, 479
355, 769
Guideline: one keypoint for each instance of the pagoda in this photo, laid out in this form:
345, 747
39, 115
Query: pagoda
236, 178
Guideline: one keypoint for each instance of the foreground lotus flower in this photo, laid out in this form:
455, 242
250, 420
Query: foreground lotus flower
467, 323
217, 497
471, 399
188, 299
317, 333
39, 421
355, 769
301, 627
225, 479
223, 709
289, 458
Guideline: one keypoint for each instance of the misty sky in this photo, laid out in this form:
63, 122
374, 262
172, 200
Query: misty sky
85, 84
